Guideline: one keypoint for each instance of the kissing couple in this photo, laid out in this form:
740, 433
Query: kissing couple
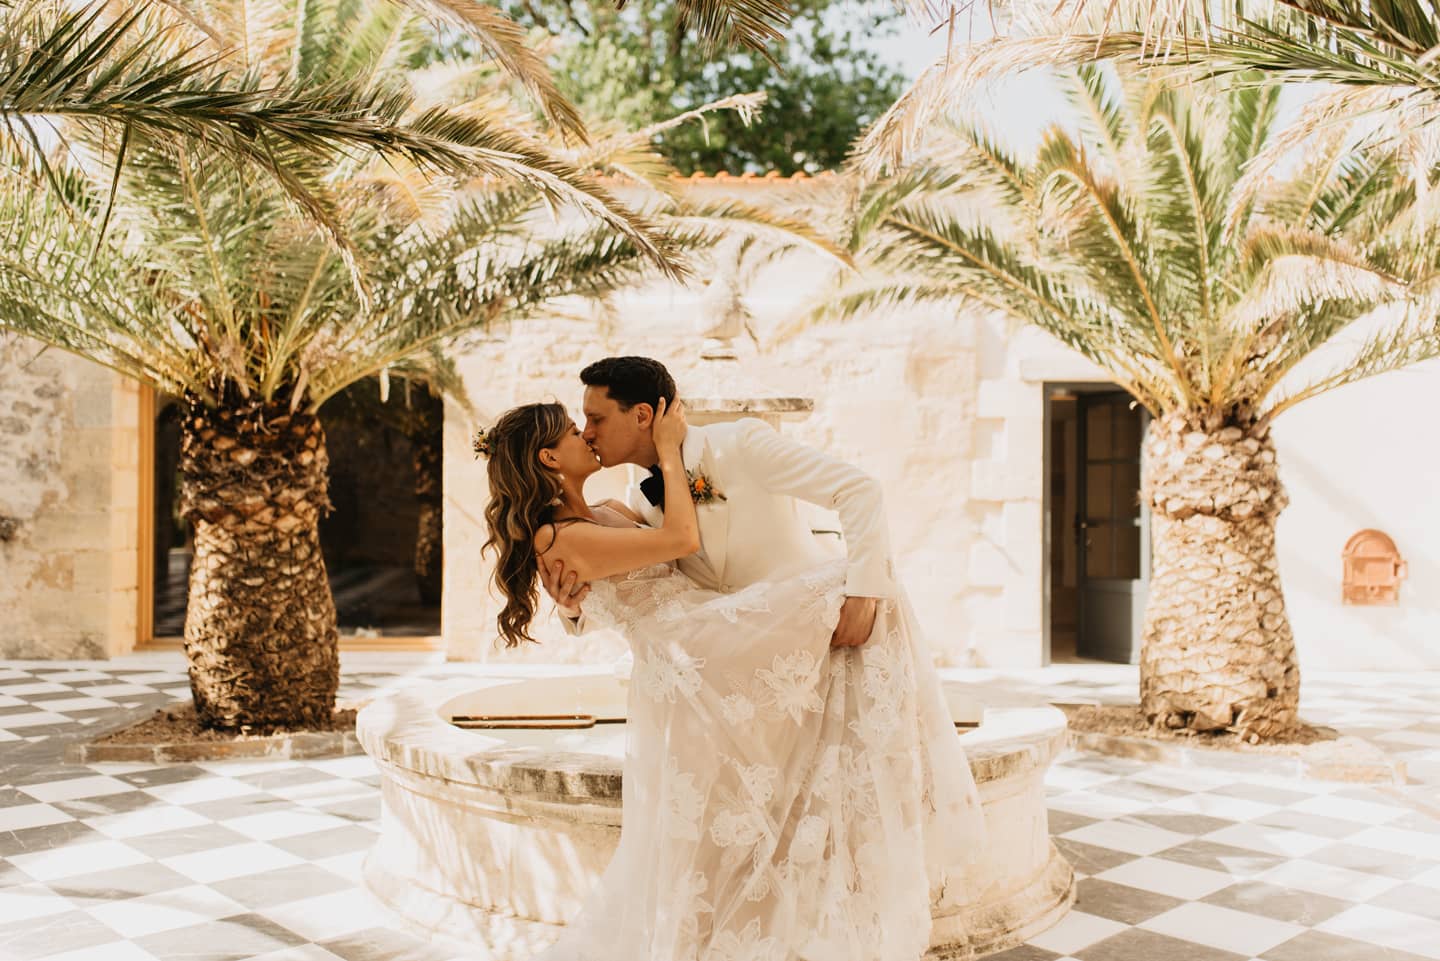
794, 787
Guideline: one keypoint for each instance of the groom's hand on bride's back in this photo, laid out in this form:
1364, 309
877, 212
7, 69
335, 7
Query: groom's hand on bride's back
857, 620
564, 587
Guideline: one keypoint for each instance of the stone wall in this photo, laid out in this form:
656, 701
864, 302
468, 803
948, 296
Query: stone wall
895, 395
69, 444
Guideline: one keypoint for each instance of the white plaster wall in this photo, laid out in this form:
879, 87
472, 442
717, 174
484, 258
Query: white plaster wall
1364, 455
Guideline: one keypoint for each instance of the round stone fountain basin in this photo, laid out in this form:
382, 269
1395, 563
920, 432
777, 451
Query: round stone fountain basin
495, 837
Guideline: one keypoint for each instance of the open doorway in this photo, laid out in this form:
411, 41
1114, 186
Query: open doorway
382, 540
1097, 532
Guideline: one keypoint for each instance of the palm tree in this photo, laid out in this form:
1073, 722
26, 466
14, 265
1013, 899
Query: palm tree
1377, 57
1125, 242
134, 77
202, 280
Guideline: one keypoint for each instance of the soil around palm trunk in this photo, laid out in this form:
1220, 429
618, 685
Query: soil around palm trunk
181, 725
1127, 720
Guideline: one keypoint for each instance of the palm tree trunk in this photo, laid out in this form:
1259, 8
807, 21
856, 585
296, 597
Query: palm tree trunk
260, 629
1217, 648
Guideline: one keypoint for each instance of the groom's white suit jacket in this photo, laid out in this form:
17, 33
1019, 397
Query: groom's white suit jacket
756, 533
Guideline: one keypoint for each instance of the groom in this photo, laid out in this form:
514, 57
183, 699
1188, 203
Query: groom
750, 531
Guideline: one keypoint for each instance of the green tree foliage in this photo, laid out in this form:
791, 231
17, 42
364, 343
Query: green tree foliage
825, 83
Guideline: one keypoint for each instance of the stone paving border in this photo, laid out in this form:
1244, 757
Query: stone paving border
292, 746
1348, 759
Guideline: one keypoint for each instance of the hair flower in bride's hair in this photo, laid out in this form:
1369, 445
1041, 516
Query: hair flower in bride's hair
482, 443
702, 489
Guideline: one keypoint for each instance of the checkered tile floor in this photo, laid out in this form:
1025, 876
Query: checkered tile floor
232, 860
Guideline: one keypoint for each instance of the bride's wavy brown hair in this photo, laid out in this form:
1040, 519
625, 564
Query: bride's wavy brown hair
522, 496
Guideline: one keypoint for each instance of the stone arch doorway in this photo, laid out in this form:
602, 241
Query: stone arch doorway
382, 540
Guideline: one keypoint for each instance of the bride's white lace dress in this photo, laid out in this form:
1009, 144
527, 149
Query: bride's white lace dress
781, 801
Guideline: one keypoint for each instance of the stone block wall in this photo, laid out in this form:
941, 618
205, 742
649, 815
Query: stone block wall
896, 396
69, 491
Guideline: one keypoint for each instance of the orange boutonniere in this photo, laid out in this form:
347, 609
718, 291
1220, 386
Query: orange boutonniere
702, 489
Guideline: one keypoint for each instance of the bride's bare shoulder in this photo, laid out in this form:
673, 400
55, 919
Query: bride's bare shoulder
619, 507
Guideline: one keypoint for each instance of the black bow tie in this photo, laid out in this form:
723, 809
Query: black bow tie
653, 487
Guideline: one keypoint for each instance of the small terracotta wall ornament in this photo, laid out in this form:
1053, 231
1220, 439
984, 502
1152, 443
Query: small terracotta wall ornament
1373, 569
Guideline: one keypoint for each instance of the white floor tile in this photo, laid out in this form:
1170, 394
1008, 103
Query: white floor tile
1327, 879
1268, 840
1128, 837
284, 824
22, 816
79, 704
1075, 778
301, 952
1415, 844
71, 677
1076, 932
115, 690
233, 861
350, 866
200, 789
330, 915
1220, 806
77, 787
1389, 929
72, 859
116, 951
147, 820
1430, 878
1169, 878
1097, 805
166, 911
7, 701
1223, 928
1350, 809
19, 722
36, 687
24, 902
1418, 738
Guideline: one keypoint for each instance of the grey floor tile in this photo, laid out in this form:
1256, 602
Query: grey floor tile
120, 884
286, 777
1091, 858
1120, 902
1140, 791
105, 804
260, 891
1260, 792
1319, 946
360, 809
240, 806
44, 838
1194, 824
1137, 944
19, 775
165, 774
1358, 858
1412, 899
1221, 857
1062, 821
231, 939
203, 837
1315, 824
1282, 904
54, 934
383, 944
1023, 953
328, 844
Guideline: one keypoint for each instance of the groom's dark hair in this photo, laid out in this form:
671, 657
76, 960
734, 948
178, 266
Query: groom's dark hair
631, 380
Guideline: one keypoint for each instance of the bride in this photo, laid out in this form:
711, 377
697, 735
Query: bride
782, 800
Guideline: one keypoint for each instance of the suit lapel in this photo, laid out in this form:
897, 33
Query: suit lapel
714, 517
